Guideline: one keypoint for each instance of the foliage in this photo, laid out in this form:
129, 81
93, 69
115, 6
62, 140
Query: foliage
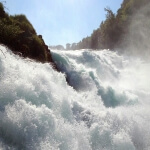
18, 33
113, 32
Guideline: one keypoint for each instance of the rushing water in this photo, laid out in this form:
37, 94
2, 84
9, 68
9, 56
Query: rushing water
106, 106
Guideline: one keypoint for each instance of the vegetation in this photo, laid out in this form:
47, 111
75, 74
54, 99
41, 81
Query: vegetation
17, 33
58, 47
114, 31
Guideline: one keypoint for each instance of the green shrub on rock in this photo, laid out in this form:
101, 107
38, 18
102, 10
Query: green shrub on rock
17, 33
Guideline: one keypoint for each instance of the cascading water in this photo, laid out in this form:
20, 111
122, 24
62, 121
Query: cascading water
106, 105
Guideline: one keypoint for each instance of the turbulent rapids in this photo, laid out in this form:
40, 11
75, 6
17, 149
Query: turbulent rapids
106, 105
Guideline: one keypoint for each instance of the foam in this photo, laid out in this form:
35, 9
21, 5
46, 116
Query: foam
39, 110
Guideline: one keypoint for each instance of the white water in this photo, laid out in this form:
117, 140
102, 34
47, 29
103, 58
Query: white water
107, 107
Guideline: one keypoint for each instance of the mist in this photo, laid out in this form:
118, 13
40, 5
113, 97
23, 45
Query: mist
91, 100
137, 38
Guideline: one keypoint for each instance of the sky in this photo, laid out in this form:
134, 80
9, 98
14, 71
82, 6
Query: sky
63, 21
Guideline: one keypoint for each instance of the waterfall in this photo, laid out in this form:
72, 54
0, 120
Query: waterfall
99, 101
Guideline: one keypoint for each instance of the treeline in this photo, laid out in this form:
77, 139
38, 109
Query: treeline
113, 32
17, 33
57, 47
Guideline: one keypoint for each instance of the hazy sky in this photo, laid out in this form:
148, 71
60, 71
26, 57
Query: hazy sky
63, 21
